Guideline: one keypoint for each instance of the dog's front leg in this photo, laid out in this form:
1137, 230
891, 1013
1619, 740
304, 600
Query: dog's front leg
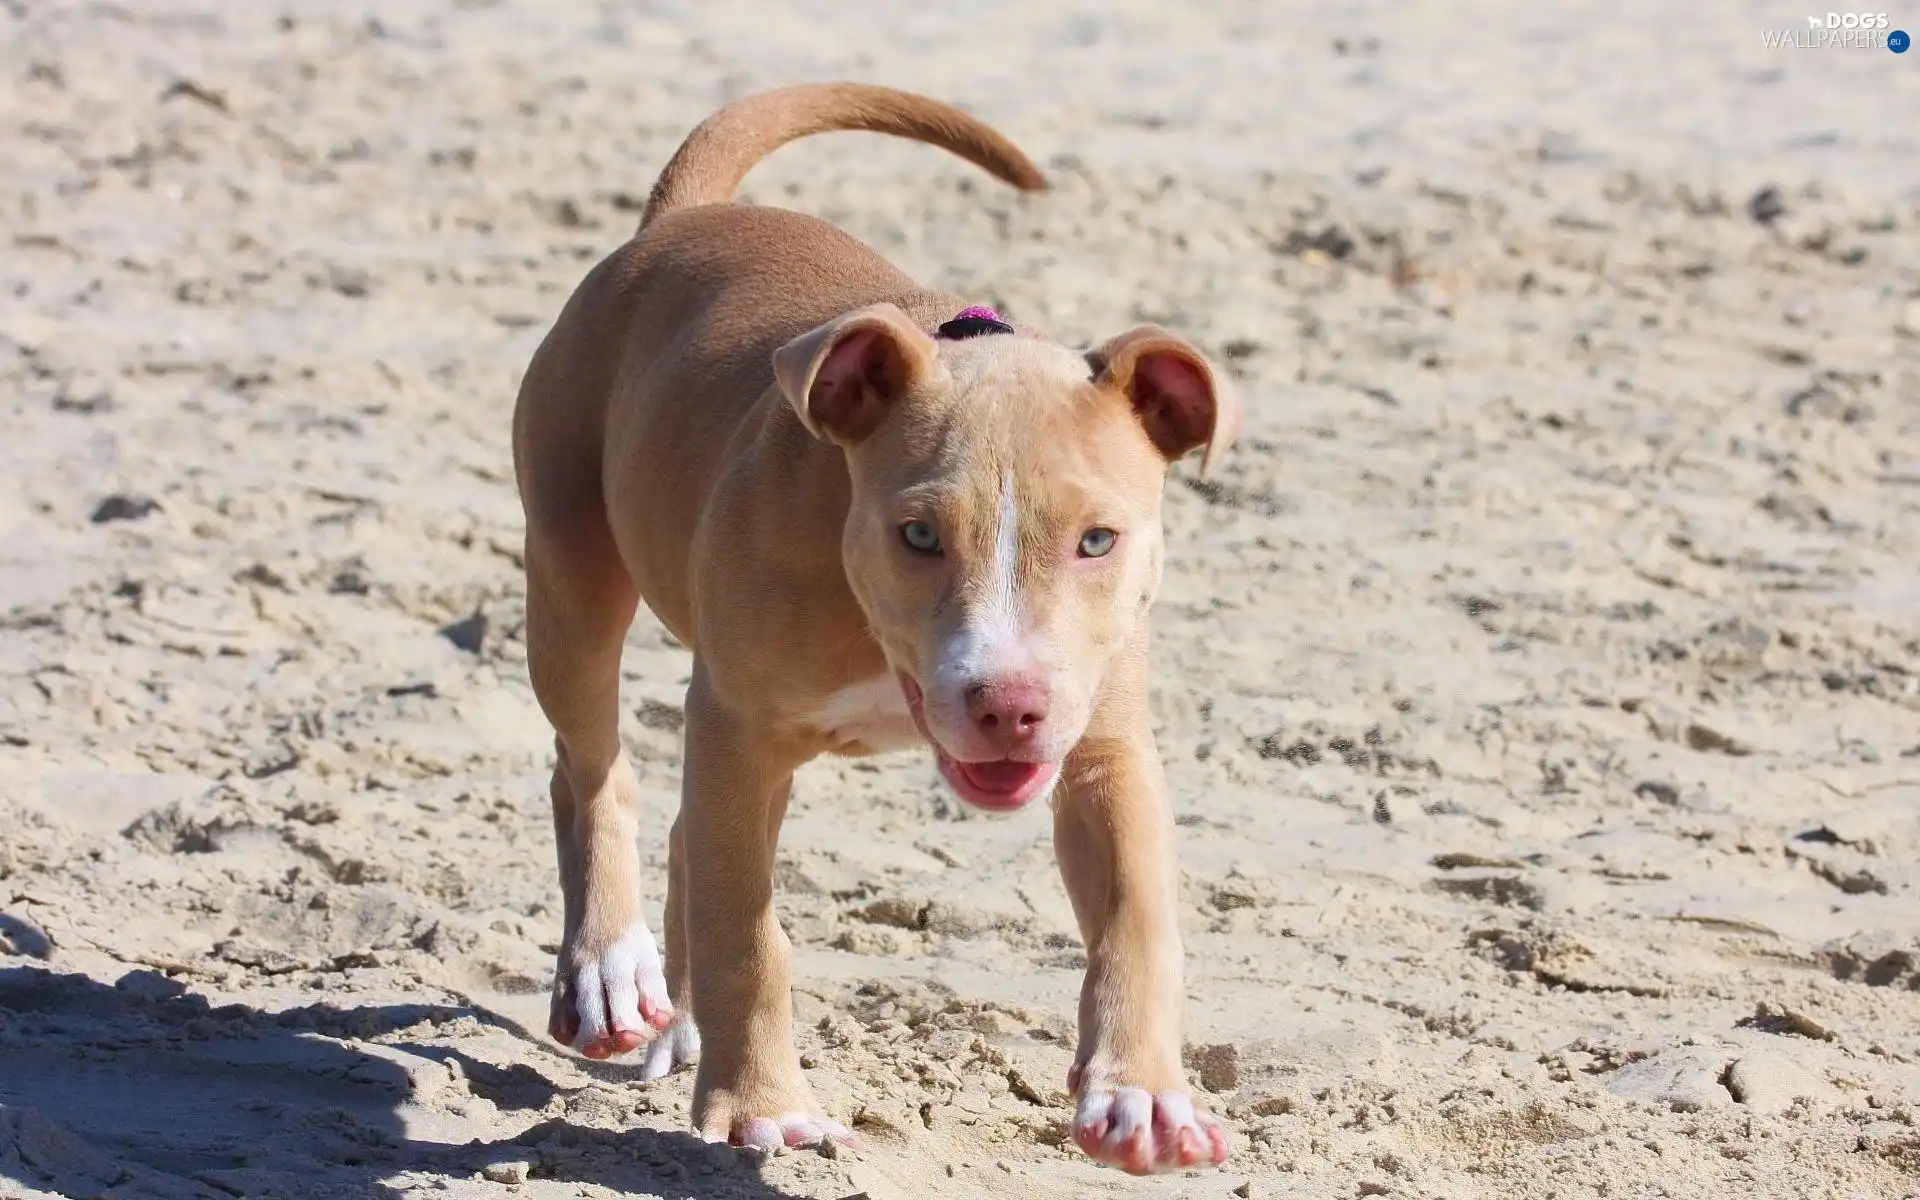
749, 1089
1113, 834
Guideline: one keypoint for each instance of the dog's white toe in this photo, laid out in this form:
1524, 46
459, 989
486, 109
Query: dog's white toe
674, 1049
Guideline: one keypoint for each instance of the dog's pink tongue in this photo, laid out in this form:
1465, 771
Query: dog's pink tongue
1002, 778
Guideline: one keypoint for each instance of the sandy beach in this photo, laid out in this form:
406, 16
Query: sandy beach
1538, 679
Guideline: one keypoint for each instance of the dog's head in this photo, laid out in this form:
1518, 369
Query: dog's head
1004, 534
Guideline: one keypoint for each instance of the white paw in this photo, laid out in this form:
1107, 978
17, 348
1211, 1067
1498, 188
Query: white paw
1142, 1132
614, 1000
675, 1048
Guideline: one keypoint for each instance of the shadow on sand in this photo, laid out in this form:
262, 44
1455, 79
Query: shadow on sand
142, 1088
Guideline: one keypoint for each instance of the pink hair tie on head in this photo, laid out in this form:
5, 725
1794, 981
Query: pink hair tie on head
972, 321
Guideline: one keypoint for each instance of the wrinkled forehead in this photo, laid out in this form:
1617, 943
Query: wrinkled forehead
1022, 415
1008, 365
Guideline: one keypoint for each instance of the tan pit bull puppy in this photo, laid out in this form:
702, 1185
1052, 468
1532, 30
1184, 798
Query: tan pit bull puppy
879, 519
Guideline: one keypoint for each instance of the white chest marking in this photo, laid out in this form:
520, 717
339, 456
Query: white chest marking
872, 712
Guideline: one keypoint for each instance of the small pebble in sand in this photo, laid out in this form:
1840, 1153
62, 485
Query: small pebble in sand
512, 1173
1766, 206
123, 507
1909, 322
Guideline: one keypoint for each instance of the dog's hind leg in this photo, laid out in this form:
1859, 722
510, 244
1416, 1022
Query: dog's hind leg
681, 1044
609, 993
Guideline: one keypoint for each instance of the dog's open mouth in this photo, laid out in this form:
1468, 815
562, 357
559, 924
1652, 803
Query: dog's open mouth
1003, 785
997, 786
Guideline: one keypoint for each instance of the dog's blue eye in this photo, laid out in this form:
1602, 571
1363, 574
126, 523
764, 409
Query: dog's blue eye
1095, 543
920, 537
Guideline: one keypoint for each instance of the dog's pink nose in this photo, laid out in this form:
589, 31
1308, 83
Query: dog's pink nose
1009, 710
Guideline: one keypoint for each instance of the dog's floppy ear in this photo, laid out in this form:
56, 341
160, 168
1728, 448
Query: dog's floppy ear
842, 377
1178, 398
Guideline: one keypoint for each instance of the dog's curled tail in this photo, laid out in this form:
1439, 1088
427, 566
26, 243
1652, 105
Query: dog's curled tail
721, 150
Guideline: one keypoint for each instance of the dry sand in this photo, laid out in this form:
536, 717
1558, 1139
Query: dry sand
1540, 681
